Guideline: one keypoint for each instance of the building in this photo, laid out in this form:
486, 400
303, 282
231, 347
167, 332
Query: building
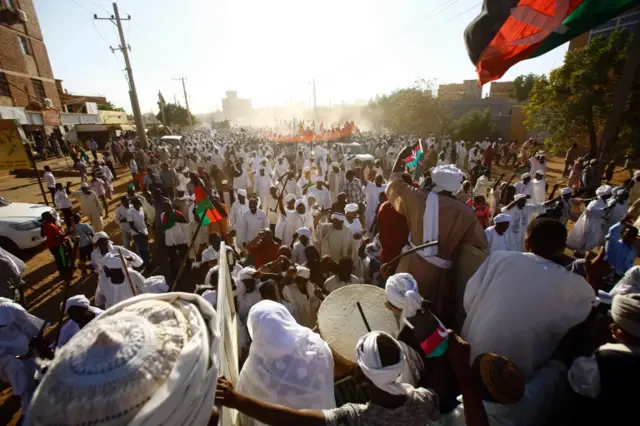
236, 109
468, 89
501, 89
502, 110
626, 21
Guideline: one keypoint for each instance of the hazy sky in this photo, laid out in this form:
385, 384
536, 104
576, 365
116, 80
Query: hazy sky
269, 51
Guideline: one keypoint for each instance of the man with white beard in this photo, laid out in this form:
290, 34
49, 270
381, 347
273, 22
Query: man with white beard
252, 222
261, 184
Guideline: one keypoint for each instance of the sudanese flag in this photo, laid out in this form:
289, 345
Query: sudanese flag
204, 207
509, 31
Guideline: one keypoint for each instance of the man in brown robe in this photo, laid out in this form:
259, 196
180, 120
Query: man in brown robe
457, 224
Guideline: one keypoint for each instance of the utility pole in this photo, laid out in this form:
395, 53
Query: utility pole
186, 100
315, 107
124, 48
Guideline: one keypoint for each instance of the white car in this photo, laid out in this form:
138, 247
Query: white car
20, 225
354, 149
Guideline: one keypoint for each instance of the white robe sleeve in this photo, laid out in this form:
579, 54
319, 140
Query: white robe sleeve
476, 285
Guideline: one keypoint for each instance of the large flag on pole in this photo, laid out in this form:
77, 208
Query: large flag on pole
203, 204
509, 31
415, 157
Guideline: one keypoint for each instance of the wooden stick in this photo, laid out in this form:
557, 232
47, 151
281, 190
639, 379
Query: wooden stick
65, 291
414, 249
126, 271
366, 323
186, 256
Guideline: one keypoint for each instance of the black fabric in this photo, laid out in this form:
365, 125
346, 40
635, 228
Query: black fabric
485, 26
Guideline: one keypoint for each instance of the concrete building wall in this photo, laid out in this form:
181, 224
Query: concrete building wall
468, 89
501, 89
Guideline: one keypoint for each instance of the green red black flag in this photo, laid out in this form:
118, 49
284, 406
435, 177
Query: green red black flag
509, 31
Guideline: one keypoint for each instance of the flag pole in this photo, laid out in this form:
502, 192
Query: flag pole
186, 256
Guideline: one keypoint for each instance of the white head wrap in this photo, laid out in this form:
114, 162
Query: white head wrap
447, 178
338, 216
525, 175
540, 172
289, 198
150, 359
501, 218
242, 192
566, 191
304, 231
84, 185
402, 292
519, 197
318, 179
246, 273
99, 235
603, 190
299, 202
351, 208
384, 378
79, 300
303, 272
209, 254
306, 169
112, 261
625, 311
224, 182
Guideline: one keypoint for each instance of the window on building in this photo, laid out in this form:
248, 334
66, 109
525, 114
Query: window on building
24, 45
5, 90
38, 89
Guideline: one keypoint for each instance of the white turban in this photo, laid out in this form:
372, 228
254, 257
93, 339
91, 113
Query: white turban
401, 291
447, 178
566, 191
209, 254
246, 273
384, 378
603, 190
304, 231
525, 175
625, 311
540, 172
318, 179
112, 261
351, 208
617, 190
336, 165
99, 235
306, 169
519, 197
242, 192
289, 198
84, 185
149, 360
338, 216
79, 300
224, 182
303, 272
501, 218
299, 202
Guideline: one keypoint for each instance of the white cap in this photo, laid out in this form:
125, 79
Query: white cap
351, 208
242, 192
99, 235
84, 185
501, 218
525, 175
338, 216
519, 197
566, 191
304, 231
303, 272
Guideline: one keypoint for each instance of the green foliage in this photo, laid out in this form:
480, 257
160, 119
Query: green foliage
572, 105
523, 84
109, 107
411, 110
473, 125
176, 115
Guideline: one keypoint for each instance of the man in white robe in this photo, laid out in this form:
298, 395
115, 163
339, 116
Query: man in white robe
280, 169
17, 329
261, 185
334, 239
293, 219
104, 246
89, 204
538, 184
320, 193
270, 207
521, 213
461, 154
335, 180
238, 208
252, 222
372, 196
301, 293
520, 305
246, 291
524, 186
114, 285
587, 231
80, 314
497, 234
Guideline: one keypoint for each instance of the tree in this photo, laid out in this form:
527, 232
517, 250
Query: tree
109, 107
412, 110
523, 84
572, 105
473, 125
175, 115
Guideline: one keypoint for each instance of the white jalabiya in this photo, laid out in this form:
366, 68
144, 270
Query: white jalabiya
242, 181
322, 196
288, 364
335, 243
249, 226
538, 194
520, 219
384, 378
305, 306
587, 230
522, 188
495, 240
481, 186
372, 195
17, 328
520, 305
355, 227
71, 328
109, 294
261, 185
270, 207
289, 224
151, 360
236, 212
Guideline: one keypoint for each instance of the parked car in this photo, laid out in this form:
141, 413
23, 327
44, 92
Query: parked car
20, 225
354, 149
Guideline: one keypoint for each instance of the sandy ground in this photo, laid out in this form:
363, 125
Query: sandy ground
44, 288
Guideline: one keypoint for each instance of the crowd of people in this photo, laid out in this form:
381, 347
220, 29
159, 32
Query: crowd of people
524, 341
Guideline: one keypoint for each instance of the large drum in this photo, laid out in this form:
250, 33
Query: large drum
341, 325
